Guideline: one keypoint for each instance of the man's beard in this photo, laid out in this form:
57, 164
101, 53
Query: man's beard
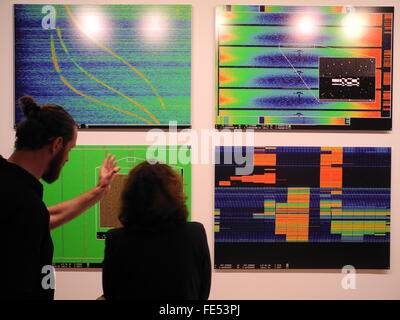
55, 165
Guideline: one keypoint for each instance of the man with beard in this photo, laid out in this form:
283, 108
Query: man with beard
42, 145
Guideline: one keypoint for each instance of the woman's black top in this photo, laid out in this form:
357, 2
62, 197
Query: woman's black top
169, 264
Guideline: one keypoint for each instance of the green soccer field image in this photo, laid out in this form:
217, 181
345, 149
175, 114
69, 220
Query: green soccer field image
80, 242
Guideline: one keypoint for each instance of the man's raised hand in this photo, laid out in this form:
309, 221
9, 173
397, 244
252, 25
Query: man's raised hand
107, 173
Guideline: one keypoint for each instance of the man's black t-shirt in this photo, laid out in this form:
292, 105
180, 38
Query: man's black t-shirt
26, 245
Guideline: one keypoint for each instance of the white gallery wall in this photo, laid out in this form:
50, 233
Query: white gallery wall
273, 284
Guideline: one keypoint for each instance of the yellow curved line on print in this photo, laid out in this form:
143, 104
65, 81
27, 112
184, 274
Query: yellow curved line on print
101, 82
76, 22
54, 57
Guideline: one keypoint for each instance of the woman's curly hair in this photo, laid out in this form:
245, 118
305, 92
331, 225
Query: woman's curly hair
153, 198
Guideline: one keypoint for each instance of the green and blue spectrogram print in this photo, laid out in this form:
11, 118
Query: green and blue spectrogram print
293, 67
107, 65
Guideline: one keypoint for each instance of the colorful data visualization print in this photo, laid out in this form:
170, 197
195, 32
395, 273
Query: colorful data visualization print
302, 208
80, 243
108, 65
292, 67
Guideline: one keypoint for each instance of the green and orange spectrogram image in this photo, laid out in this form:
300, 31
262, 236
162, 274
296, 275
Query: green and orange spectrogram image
292, 67
107, 65
80, 242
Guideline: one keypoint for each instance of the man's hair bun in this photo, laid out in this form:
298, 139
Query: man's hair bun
29, 107
42, 124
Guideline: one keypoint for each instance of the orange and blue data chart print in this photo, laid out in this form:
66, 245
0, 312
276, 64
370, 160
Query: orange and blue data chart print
107, 65
294, 67
302, 207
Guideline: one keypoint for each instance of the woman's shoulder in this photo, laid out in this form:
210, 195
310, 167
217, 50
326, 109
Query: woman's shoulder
192, 228
195, 227
114, 233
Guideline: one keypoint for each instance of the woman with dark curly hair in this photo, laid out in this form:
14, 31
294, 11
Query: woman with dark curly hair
157, 254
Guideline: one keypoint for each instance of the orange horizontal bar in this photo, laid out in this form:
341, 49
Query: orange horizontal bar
264, 159
387, 78
266, 178
297, 216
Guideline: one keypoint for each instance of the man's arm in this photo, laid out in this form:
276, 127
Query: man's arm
66, 211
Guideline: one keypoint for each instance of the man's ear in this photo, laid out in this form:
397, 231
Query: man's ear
56, 145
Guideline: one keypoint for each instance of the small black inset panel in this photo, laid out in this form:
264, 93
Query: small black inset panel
346, 79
